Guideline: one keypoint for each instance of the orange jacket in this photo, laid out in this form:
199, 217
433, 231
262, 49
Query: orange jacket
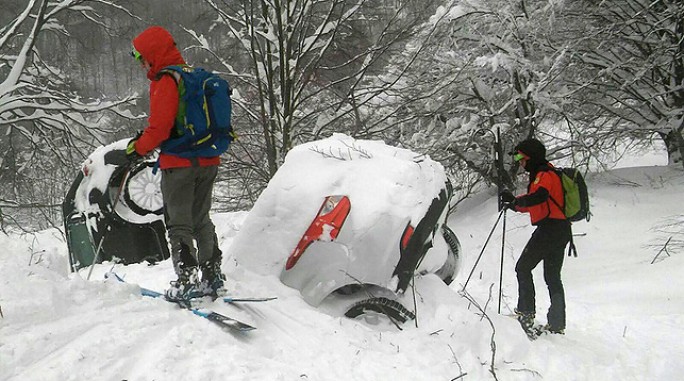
549, 180
157, 47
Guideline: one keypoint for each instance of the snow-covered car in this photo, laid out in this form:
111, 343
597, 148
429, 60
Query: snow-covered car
346, 216
114, 211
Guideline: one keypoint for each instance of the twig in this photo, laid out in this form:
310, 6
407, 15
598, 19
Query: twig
664, 248
1, 315
527, 370
485, 307
460, 368
330, 155
339, 155
492, 342
362, 152
40, 258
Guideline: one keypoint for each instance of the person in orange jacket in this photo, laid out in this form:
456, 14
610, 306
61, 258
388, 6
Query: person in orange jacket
543, 201
187, 184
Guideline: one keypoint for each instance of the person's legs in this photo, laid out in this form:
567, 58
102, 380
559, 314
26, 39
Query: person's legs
553, 264
203, 228
178, 192
552, 275
529, 259
209, 254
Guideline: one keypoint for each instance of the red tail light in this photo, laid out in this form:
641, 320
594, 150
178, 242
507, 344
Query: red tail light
325, 227
406, 236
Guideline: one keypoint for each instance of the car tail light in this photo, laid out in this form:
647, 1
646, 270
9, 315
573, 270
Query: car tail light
325, 226
406, 236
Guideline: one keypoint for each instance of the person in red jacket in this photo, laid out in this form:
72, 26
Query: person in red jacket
543, 201
186, 184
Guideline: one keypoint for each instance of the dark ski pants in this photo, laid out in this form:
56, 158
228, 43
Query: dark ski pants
187, 200
546, 244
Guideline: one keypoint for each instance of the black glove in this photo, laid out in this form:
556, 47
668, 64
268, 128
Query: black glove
508, 200
506, 196
509, 205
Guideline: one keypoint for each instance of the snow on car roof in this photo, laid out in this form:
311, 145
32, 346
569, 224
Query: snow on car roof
377, 178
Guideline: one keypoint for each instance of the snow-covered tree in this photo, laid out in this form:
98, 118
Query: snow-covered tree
493, 68
303, 69
632, 56
45, 127
582, 76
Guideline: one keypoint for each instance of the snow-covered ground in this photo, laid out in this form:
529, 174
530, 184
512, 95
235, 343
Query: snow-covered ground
625, 315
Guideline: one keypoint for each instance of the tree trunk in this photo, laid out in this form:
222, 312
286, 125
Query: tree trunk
680, 143
674, 141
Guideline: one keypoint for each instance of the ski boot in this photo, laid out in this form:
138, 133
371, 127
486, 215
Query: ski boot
212, 280
526, 320
185, 288
547, 329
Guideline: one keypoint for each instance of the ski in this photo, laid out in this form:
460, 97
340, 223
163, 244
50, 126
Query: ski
225, 299
229, 299
215, 317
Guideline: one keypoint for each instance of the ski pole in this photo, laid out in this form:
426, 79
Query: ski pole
483, 249
503, 242
116, 200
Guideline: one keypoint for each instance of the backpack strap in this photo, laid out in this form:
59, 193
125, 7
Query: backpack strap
555, 202
572, 249
174, 71
560, 179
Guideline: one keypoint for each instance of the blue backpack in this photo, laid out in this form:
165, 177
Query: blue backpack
203, 127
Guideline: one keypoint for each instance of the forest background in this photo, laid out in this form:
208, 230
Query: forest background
461, 81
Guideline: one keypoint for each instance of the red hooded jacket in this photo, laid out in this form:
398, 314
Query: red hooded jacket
157, 47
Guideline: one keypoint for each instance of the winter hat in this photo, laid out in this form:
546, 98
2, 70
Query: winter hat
532, 148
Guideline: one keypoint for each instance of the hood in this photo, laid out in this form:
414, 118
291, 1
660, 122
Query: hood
535, 150
157, 47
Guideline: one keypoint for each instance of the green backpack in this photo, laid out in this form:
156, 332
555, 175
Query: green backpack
576, 199
575, 194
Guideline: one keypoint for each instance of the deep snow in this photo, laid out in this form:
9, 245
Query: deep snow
625, 315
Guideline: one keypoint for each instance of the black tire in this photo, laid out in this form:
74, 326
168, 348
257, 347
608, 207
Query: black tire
448, 271
388, 307
137, 191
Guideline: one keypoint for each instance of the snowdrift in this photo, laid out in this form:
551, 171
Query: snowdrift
625, 315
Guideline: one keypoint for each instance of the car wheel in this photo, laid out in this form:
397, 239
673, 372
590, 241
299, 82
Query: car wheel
388, 307
142, 191
450, 267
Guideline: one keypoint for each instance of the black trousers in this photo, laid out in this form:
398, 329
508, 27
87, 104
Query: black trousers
546, 244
